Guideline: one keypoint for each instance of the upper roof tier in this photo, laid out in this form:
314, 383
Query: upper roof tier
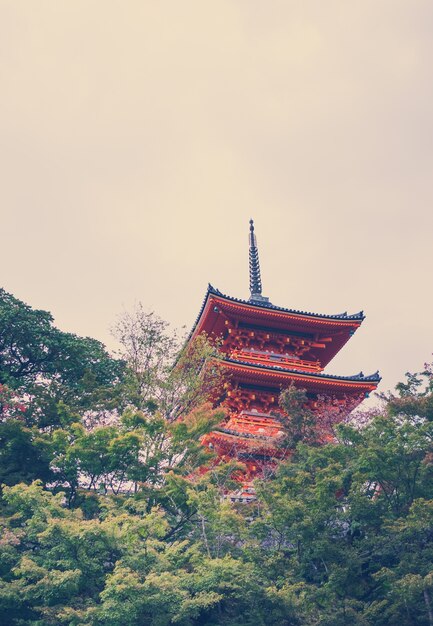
220, 311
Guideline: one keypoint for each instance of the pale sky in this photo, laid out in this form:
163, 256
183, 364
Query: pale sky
137, 138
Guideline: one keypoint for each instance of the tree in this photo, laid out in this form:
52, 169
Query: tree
141, 533
351, 520
48, 365
309, 422
25, 453
164, 372
116, 570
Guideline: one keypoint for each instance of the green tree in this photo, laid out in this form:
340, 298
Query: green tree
49, 366
25, 453
350, 521
165, 373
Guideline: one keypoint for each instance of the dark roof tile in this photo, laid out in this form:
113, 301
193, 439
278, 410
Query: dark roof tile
268, 305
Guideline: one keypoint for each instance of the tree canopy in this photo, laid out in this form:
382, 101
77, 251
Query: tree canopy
106, 518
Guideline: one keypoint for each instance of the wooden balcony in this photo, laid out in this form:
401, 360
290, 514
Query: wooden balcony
272, 359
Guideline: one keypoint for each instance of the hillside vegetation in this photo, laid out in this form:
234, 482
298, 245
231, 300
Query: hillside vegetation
102, 523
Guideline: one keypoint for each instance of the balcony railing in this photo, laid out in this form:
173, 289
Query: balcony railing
269, 359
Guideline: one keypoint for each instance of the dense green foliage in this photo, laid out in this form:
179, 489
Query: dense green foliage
103, 525
51, 365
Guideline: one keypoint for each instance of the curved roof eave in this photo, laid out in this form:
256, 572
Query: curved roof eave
267, 305
375, 378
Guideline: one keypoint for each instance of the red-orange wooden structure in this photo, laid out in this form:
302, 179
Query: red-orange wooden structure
264, 349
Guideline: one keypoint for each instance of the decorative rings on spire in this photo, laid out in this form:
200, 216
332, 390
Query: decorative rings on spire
254, 267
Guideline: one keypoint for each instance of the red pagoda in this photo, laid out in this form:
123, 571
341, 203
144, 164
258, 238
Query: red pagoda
266, 348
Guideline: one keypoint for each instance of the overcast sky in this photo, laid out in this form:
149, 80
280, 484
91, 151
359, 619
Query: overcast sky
137, 138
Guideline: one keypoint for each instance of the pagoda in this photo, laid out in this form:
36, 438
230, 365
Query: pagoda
265, 349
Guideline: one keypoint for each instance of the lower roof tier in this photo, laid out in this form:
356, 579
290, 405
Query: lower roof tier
314, 382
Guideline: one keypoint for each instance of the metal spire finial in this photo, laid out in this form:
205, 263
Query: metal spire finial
255, 279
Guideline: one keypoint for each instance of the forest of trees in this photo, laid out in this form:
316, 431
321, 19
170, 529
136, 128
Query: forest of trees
101, 523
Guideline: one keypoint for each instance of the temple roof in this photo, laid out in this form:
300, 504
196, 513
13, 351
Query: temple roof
217, 306
360, 377
320, 335
276, 377
267, 305
339, 318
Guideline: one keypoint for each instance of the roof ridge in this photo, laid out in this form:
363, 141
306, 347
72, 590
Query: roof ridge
267, 305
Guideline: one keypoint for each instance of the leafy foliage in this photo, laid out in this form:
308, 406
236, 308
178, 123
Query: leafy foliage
113, 524
48, 367
165, 373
